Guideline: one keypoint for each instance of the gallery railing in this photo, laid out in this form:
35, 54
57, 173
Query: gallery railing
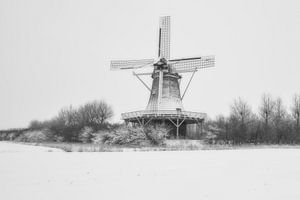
163, 113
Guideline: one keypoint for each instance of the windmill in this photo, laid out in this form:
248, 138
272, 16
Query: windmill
165, 102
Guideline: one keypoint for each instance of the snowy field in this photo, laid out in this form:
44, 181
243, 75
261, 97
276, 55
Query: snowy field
30, 172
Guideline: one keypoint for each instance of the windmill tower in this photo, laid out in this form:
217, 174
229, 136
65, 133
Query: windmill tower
165, 101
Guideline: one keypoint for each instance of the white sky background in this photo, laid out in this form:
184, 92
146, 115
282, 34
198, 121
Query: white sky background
56, 53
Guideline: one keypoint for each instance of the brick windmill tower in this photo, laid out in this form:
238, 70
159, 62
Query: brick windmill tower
165, 102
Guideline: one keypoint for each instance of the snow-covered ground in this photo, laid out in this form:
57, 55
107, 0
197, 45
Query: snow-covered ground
9, 147
252, 174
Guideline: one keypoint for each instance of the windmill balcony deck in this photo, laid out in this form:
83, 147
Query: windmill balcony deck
164, 114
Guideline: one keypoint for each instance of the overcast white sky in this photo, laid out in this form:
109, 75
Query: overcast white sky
56, 53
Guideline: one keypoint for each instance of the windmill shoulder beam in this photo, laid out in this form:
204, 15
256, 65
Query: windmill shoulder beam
142, 74
136, 75
189, 83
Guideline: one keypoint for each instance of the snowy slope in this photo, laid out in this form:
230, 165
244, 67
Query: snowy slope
229, 174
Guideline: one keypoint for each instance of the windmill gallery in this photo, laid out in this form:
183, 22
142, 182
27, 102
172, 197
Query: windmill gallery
165, 103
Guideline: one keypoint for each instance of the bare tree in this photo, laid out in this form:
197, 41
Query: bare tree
95, 113
240, 116
35, 125
68, 116
241, 110
273, 124
266, 108
66, 124
296, 111
266, 111
221, 123
279, 119
279, 112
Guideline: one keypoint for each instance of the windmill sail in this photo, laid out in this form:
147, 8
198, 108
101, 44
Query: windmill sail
190, 64
130, 64
164, 38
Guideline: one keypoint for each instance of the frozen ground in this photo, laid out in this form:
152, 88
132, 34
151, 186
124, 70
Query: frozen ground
252, 174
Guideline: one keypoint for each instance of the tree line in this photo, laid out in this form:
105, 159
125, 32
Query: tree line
88, 123
76, 124
273, 123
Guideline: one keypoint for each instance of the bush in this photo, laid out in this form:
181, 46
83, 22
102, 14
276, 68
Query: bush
86, 134
57, 138
157, 134
3, 136
125, 135
136, 135
98, 136
34, 136
11, 134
